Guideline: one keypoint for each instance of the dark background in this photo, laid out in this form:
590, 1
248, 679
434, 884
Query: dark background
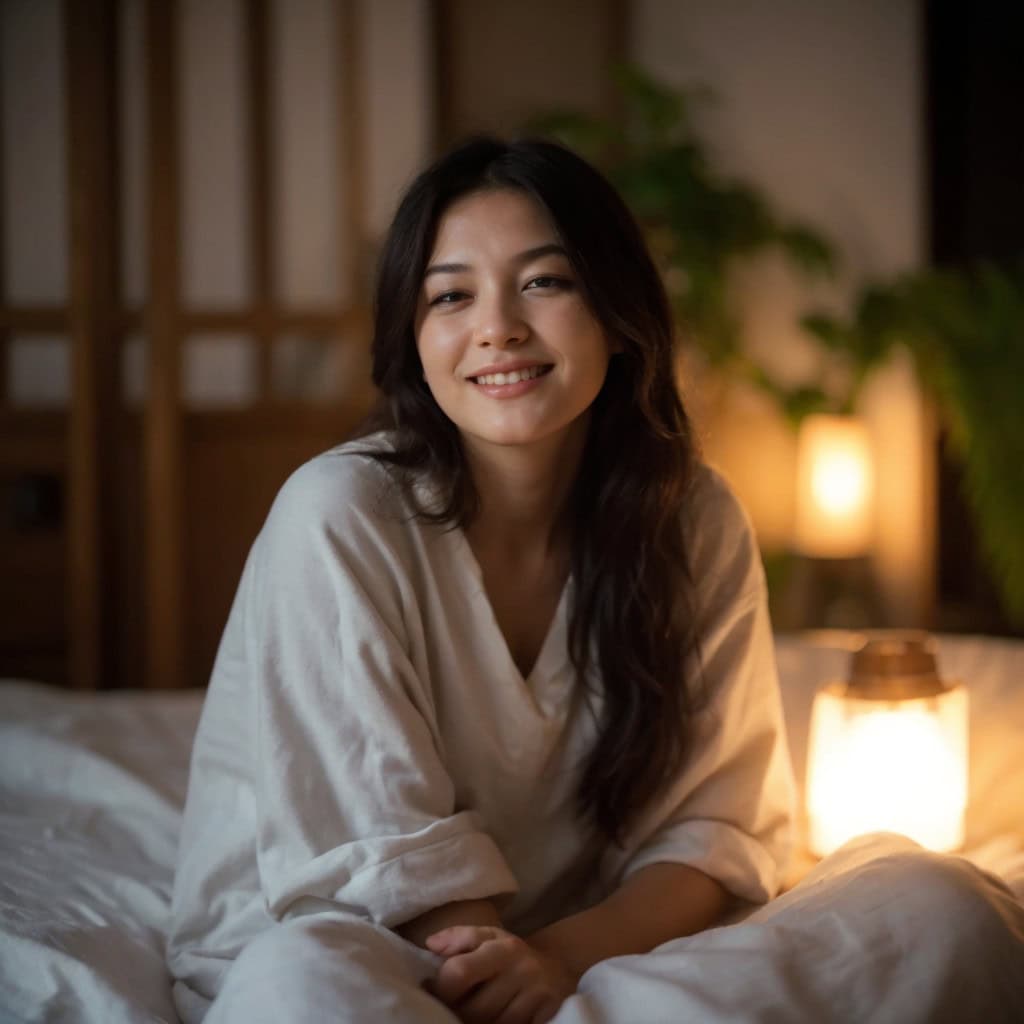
975, 123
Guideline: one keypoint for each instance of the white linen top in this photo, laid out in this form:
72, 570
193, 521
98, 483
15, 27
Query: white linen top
368, 743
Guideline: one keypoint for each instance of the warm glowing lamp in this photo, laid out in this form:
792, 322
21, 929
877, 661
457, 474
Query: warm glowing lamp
888, 750
835, 485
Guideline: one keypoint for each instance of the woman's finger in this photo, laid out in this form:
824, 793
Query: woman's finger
524, 1008
483, 1004
546, 1011
463, 972
462, 938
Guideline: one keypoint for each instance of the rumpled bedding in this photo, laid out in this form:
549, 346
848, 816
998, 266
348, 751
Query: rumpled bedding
91, 790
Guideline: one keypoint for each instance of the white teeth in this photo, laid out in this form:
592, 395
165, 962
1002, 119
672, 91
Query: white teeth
513, 377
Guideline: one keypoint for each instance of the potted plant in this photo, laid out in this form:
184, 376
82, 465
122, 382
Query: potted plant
965, 329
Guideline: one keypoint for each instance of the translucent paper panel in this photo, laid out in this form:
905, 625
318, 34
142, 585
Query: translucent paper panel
307, 170
133, 167
39, 372
309, 369
35, 241
219, 371
214, 200
398, 86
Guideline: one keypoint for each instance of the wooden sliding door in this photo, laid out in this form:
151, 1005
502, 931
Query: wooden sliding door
208, 180
192, 193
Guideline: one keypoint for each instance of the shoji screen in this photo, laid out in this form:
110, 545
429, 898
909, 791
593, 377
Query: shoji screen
192, 194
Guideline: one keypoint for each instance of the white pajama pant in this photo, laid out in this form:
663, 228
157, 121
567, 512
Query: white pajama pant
878, 932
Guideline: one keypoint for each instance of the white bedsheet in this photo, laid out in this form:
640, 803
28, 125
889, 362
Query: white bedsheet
91, 788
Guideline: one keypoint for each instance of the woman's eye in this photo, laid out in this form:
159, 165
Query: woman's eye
547, 281
447, 298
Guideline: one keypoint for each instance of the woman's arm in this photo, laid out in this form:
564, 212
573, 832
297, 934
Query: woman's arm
479, 913
487, 971
354, 804
659, 902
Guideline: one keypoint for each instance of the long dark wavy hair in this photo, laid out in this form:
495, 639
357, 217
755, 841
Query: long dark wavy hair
632, 610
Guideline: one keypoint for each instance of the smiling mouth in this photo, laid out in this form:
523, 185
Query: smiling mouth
512, 377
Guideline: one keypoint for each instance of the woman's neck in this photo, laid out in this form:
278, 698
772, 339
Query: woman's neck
524, 493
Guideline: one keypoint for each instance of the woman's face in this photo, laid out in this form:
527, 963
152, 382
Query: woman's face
510, 350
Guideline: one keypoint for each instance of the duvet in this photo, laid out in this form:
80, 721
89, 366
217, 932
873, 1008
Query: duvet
91, 790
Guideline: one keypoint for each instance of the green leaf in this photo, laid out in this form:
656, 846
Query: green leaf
808, 249
965, 330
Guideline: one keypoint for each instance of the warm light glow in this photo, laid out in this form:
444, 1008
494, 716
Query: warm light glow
835, 483
889, 766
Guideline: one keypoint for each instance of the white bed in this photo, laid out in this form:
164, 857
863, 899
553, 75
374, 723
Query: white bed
91, 788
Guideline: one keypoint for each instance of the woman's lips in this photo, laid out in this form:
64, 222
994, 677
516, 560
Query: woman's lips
511, 383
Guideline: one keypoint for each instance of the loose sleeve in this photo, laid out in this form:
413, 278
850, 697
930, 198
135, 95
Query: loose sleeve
353, 803
729, 812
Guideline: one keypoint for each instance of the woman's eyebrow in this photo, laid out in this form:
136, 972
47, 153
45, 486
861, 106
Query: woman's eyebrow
445, 268
526, 256
548, 249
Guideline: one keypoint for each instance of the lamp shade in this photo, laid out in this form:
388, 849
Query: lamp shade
888, 751
835, 487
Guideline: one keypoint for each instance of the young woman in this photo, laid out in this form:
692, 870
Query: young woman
496, 701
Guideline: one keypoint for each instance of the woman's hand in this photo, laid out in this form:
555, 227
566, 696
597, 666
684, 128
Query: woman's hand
490, 976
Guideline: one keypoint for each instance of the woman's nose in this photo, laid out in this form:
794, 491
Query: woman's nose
499, 323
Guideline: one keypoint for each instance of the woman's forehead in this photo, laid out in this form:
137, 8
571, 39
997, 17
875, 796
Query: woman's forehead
494, 222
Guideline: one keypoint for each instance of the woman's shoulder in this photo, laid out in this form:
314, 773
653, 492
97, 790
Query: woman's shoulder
339, 488
720, 536
348, 472
713, 505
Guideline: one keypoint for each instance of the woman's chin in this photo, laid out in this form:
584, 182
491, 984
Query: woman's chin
521, 436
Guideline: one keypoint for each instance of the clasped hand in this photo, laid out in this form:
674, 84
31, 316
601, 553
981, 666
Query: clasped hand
490, 976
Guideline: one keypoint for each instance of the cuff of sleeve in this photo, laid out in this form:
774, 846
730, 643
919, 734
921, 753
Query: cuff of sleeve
396, 878
722, 851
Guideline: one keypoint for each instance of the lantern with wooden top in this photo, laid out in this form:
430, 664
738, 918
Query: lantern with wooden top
888, 750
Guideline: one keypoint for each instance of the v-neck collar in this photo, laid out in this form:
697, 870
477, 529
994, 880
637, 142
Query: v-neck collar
553, 650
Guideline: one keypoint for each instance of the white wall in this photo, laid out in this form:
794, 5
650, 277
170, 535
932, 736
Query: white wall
819, 103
